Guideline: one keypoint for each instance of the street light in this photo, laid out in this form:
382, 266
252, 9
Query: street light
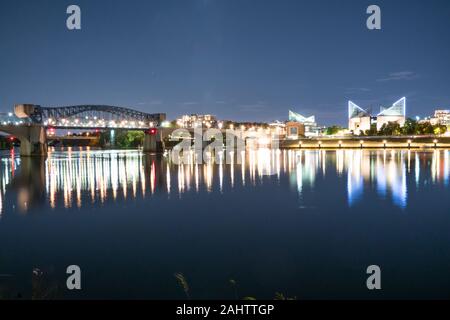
384, 143
361, 144
320, 144
435, 143
340, 144
409, 144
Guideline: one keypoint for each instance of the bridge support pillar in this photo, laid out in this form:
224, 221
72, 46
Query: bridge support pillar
153, 142
34, 143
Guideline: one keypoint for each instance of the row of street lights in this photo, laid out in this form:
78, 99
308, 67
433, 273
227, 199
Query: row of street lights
361, 144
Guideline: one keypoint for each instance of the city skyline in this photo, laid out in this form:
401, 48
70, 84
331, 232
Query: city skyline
239, 61
224, 156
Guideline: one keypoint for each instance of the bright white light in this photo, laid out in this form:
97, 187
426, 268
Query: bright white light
397, 109
297, 117
263, 141
355, 111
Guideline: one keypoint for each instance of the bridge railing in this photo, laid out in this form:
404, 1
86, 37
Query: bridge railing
8, 119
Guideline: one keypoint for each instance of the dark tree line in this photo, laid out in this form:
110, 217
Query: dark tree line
122, 139
411, 127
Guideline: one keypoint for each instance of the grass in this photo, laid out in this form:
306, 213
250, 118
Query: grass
182, 282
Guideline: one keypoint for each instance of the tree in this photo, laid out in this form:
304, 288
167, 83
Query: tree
372, 131
440, 129
390, 129
425, 128
124, 139
105, 138
410, 127
333, 130
129, 139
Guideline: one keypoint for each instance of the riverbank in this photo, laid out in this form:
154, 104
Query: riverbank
411, 142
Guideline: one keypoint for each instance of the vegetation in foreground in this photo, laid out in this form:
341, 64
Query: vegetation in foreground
183, 284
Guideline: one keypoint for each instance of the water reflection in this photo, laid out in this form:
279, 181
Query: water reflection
79, 178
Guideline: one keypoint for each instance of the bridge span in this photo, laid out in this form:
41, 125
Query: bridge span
32, 121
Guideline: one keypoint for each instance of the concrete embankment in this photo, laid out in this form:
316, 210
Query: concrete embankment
413, 142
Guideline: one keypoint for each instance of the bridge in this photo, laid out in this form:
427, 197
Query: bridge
30, 122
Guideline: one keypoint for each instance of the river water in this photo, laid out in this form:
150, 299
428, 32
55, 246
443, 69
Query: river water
303, 223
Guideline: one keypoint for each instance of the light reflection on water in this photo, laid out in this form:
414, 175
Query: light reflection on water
272, 219
79, 178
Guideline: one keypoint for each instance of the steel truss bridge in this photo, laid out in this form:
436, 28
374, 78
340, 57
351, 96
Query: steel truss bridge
89, 116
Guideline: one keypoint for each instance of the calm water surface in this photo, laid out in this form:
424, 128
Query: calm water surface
304, 223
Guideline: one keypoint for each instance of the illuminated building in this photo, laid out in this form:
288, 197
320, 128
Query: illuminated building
277, 128
310, 126
441, 117
197, 121
395, 113
295, 130
359, 120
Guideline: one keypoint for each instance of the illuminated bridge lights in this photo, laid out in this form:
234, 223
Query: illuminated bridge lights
97, 123
13, 123
88, 115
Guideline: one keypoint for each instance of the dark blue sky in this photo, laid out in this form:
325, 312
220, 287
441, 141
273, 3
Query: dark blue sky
237, 59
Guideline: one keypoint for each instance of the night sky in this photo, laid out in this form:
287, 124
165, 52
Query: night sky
237, 59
